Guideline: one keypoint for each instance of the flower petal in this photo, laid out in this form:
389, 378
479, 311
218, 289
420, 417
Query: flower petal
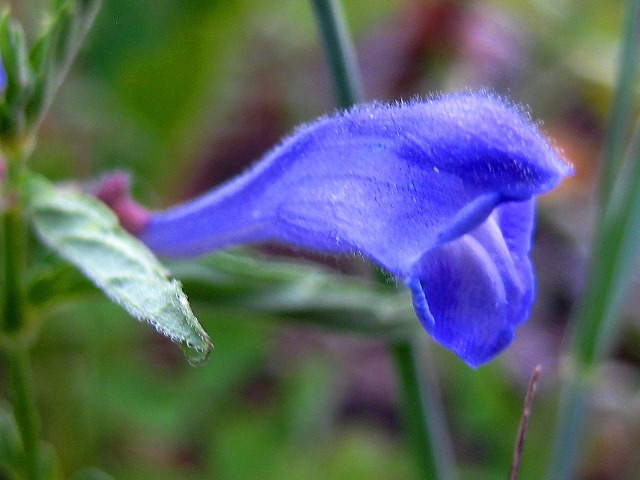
470, 293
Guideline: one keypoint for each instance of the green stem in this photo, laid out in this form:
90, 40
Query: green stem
12, 246
15, 333
340, 52
424, 413
24, 407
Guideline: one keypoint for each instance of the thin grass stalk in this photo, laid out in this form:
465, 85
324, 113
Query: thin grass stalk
423, 412
340, 52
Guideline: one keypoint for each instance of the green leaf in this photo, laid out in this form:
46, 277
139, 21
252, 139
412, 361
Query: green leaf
87, 234
299, 293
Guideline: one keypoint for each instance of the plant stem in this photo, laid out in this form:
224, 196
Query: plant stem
524, 424
12, 266
24, 407
15, 333
340, 52
15, 342
12, 248
423, 413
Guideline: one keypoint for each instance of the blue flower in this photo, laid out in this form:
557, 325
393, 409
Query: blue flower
438, 192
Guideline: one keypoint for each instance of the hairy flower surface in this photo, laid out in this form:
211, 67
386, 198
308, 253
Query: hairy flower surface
438, 192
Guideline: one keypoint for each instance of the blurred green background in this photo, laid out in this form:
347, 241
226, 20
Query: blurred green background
183, 94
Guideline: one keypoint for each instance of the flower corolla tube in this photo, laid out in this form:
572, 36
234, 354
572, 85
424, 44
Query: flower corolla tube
438, 192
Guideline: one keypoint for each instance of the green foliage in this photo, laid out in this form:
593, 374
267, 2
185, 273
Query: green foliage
86, 233
34, 75
300, 292
157, 85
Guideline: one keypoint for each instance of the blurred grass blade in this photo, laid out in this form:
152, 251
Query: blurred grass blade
615, 252
620, 120
574, 399
87, 234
